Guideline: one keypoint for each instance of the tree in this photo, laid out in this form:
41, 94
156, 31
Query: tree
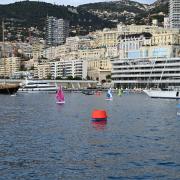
23, 68
88, 77
108, 76
69, 78
77, 78
103, 81
49, 76
31, 68
58, 78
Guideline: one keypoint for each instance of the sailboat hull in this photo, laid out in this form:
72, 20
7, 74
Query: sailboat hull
8, 90
163, 94
109, 99
61, 102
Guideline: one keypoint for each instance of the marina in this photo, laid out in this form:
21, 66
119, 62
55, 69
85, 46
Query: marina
90, 90
40, 139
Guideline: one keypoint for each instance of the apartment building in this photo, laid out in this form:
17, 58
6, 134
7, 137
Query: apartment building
174, 13
66, 68
57, 30
37, 50
43, 71
9, 66
88, 54
129, 45
106, 38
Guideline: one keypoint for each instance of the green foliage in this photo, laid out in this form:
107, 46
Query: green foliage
26, 14
69, 78
49, 76
103, 81
108, 76
31, 68
23, 68
88, 77
58, 78
33, 14
77, 78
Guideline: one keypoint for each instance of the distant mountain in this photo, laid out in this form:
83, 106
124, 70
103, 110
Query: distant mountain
33, 14
21, 16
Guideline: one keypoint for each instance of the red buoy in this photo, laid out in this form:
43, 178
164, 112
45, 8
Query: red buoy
99, 115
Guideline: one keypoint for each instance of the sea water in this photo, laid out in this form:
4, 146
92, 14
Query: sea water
41, 140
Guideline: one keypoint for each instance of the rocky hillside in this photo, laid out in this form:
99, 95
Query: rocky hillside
127, 11
26, 14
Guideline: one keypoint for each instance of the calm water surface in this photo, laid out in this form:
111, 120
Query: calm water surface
40, 140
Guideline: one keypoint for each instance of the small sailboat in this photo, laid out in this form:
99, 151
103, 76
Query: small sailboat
60, 96
120, 92
109, 95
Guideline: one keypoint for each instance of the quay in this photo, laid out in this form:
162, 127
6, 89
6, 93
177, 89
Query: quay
69, 84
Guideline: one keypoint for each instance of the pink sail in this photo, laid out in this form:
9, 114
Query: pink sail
60, 95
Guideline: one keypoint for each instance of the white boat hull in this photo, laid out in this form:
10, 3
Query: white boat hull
37, 89
163, 94
60, 102
109, 99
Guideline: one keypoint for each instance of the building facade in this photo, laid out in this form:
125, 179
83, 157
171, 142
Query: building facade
9, 66
43, 71
99, 69
146, 72
174, 13
147, 60
69, 68
57, 30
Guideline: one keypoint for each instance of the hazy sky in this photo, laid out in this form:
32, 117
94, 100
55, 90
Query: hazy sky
73, 2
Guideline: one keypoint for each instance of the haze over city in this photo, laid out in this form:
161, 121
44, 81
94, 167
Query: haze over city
74, 2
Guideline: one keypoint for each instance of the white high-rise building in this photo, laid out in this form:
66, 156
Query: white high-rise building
174, 13
66, 68
57, 30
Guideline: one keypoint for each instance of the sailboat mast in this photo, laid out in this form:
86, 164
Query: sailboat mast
3, 51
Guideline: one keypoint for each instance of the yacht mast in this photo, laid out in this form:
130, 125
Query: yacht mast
3, 51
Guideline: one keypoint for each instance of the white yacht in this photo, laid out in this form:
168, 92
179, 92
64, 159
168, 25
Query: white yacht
167, 94
36, 86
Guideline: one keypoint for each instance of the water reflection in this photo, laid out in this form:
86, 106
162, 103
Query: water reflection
99, 125
177, 108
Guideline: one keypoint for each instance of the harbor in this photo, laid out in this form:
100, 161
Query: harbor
90, 90
40, 139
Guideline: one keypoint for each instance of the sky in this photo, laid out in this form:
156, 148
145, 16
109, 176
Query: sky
73, 2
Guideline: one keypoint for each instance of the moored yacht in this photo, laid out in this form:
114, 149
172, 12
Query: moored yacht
31, 85
167, 94
7, 88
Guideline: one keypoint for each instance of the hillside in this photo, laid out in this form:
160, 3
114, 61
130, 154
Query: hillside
21, 16
28, 14
127, 11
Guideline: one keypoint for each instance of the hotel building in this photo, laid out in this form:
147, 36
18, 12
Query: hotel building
143, 62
